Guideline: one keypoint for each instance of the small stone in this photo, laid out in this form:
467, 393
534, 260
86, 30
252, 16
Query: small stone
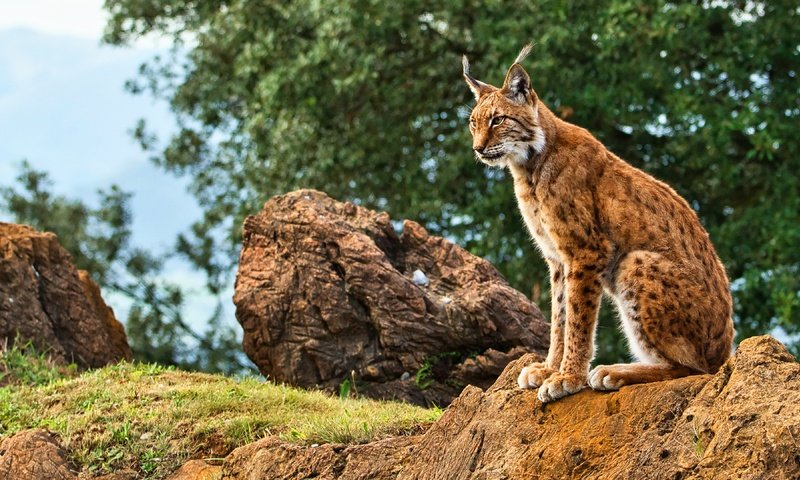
405, 376
419, 278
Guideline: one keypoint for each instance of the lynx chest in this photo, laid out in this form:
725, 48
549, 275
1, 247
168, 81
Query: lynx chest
536, 223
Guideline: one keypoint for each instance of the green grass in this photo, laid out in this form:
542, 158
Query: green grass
21, 364
151, 419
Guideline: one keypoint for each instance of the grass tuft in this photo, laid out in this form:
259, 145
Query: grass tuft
151, 419
20, 364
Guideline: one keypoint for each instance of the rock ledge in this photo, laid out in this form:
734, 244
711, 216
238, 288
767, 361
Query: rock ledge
743, 422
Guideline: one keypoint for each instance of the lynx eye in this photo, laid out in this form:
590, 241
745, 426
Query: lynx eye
497, 121
471, 123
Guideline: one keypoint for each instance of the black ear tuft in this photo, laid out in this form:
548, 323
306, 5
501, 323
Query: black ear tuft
523, 53
518, 84
478, 88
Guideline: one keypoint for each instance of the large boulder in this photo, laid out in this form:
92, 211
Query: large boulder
44, 299
328, 291
743, 422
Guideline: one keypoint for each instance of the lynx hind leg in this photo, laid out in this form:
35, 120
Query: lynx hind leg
613, 377
534, 375
663, 316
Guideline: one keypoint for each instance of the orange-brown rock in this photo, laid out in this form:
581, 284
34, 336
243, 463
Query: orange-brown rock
34, 455
46, 300
743, 422
272, 458
328, 290
196, 470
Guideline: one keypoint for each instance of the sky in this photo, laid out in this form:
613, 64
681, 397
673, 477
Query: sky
64, 109
73, 18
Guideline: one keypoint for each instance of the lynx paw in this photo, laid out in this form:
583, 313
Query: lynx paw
560, 385
534, 375
603, 377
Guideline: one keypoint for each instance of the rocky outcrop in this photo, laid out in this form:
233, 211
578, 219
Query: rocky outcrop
34, 455
743, 422
46, 300
328, 291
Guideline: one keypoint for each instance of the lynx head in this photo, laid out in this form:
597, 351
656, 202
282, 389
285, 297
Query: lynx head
505, 121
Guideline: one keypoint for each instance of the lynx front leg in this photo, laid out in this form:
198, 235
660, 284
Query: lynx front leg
583, 302
536, 373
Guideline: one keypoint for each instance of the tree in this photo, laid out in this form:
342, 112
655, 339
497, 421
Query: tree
363, 99
99, 240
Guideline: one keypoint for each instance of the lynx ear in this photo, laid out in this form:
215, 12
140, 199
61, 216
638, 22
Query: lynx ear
478, 88
517, 85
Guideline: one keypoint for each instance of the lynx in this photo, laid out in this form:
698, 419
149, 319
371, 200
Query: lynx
603, 226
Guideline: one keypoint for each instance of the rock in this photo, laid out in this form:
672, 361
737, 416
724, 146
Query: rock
46, 300
34, 455
124, 474
197, 470
118, 341
271, 458
327, 291
742, 422
419, 278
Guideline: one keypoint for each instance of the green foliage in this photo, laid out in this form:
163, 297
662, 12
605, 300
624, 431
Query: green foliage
99, 239
344, 389
423, 376
437, 366
151, 419
348, 387
697, 441
364, 99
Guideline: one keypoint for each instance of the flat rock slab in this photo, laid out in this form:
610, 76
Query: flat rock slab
328, 291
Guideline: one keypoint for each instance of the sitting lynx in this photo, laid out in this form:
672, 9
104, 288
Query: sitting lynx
603, 225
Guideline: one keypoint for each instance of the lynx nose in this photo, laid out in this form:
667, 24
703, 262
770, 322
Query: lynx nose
479, 149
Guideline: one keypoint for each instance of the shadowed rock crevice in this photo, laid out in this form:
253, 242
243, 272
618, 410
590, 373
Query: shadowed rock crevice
328, 291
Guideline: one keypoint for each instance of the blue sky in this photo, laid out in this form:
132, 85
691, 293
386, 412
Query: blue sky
64, 109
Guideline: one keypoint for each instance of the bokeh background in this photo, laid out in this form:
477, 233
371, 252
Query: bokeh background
142, 132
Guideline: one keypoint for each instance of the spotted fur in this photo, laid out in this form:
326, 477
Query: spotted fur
604, 226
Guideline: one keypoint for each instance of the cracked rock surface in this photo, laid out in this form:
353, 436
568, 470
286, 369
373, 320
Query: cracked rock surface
743, 422
46, 300
34, 455
328, 291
